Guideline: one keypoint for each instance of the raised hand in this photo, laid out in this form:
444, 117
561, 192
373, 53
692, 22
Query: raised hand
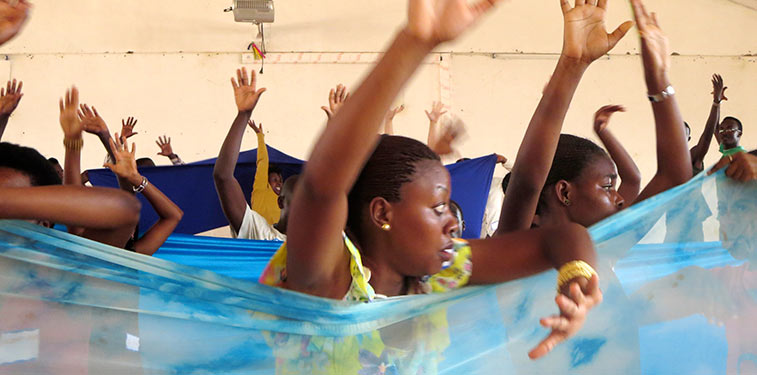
127, 127
13, 15
337, 97
602, 117
10, 97
572, 316
437, 110
501, 159
165, 146
585, 37
126, 162
434, 22
394, 111
257, 129
69, 118
718, 90
655, 50
246, 93
92, 122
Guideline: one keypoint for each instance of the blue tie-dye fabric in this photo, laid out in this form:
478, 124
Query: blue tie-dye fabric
673, 305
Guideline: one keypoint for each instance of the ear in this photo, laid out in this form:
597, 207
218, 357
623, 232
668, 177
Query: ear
563, 192
380, 211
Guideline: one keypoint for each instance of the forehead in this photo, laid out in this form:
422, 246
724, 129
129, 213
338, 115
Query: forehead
13, 178
728, 123
429, 180
599, 166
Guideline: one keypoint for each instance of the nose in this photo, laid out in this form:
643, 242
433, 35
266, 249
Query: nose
619, 201
451, 225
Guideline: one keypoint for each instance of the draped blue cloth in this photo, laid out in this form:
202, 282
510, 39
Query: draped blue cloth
671, 306
191, 187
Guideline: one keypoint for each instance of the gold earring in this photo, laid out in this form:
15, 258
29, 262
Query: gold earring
386, 227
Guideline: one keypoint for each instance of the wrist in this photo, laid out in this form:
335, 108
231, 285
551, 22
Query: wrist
244, 113
134, 179
407, 35
72, 136
572, 64
656, 83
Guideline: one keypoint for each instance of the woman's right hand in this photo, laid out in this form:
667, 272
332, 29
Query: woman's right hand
655, 49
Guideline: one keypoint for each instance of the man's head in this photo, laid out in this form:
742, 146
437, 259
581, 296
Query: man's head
285, 201
145, 162
54, 162
729, 132
275, 179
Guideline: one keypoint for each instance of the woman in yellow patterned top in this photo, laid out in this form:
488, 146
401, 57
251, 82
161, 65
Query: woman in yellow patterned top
392, 196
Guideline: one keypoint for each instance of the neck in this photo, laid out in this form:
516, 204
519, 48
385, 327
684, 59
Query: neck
384, 279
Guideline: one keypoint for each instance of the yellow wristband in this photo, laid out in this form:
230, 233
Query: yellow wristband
571, 270
73, 144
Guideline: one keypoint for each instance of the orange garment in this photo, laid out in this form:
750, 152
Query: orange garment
264, 200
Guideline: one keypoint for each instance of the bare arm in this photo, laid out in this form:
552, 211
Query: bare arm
673, 157
109, 214
229, 192
169, 213
699, 151
629, 173
437, 111
585, 40
389, 122
10, 96
524, 253
315, 259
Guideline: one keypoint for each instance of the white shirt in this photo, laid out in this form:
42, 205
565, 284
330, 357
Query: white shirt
255, 227
493, 208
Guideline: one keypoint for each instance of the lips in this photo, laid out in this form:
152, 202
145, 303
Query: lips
447, 255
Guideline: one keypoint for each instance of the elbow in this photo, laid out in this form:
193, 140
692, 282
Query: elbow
130, 208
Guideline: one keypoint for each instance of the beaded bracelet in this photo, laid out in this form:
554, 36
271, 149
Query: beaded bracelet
571, 270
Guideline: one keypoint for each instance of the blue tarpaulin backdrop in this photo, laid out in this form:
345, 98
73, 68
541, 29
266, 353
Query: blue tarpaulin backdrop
191, 188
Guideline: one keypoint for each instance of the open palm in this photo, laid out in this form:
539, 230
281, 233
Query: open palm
586, 38
435, 21
245, 91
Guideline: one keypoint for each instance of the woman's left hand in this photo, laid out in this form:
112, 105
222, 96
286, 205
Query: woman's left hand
572, 316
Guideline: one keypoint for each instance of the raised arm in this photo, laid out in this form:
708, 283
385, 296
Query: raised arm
229, 192
699, 151
629, 173
166, 150
437, 111
94, 124
337, 97
261, 173
109, 215
389, 122
585, 39
168, 212
72, 137
673, 157
10, 96
319, 209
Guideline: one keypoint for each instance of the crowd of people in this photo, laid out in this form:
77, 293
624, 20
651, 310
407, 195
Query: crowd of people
371, 216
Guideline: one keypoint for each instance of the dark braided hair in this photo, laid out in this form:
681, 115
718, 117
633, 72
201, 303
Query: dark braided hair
29, 162
572, 156
392, 164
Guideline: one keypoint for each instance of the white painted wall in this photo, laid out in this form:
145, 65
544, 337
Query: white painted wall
168, 63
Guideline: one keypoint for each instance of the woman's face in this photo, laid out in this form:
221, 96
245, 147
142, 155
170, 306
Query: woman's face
422, 224
593, 196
